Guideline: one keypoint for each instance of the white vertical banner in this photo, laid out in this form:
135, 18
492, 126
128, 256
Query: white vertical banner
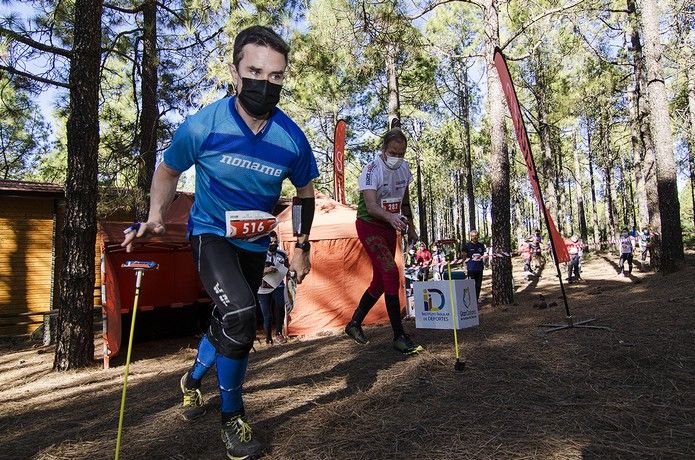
433, 304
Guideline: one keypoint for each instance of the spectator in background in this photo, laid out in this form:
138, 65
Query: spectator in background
645, 244
575, 248
272, 290
424, 260
474, 253
526, 251
625, 245
438, 262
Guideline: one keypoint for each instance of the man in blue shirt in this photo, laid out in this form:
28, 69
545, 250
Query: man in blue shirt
474, 253
242, 147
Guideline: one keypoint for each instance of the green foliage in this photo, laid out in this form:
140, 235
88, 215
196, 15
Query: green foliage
23, 132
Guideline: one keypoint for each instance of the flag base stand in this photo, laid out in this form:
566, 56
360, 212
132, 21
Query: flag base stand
570, 324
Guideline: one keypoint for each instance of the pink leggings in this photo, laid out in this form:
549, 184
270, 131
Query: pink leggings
380, 243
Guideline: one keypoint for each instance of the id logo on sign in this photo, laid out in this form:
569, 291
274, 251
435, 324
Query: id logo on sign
433, 299
433, 302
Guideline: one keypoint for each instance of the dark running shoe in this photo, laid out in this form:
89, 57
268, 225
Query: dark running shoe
238, 440
406, 346
355, 331
193, 406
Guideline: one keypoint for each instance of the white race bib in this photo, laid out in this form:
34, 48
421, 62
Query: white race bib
249, 225
392, 205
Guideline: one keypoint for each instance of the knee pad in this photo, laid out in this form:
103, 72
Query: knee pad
233, 332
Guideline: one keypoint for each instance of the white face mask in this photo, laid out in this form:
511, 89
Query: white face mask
394, 162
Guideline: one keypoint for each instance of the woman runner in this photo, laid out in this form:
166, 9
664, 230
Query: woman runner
383, 211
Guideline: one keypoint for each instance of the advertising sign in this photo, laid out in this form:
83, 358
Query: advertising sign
433, 304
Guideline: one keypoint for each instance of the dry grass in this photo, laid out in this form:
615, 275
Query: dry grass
629, 393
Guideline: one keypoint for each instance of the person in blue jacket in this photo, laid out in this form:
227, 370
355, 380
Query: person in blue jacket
474, 254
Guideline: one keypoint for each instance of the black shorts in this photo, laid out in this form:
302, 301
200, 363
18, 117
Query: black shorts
231, 276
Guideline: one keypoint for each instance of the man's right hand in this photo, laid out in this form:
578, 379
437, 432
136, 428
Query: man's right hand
145, 229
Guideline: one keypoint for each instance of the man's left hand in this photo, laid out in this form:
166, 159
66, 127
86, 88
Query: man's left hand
300, 265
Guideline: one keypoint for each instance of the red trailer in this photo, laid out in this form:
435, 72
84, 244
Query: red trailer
174, 285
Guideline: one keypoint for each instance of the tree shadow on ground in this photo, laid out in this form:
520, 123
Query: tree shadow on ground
622, 394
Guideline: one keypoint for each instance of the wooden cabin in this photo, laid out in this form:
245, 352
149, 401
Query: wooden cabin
30, 214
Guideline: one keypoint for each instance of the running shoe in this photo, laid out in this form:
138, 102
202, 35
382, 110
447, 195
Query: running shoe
355, 331
238, 440
406, 346
193, 406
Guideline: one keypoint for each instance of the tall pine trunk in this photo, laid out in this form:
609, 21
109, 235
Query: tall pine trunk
467, 158
149, 117
592, 187
648, 161
690, 75
669, 206
394, 106
75, 341
502, 288
421, 205
635, 100
579, 179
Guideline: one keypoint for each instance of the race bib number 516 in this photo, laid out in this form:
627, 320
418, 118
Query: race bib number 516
249, 225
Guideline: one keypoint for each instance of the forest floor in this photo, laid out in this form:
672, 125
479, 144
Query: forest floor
578, 393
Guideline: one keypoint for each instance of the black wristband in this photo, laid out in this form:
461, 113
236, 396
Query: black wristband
302, 215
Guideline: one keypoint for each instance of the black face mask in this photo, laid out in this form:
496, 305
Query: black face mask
273, 247
259, 97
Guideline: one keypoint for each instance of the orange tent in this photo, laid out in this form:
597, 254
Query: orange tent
340, 271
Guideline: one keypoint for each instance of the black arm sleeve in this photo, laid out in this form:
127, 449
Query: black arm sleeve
302, 215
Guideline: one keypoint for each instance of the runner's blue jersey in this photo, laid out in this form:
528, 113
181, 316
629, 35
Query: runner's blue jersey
237, 170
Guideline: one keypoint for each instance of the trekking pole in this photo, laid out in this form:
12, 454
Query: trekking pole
458, 365
139, 268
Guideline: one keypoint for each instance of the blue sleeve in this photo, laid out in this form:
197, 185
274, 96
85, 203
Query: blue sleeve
185, 146
303, 168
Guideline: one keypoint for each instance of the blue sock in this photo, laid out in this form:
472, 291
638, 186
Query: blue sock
230, 377
203, 361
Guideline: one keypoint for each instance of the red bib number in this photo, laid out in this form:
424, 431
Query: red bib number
249, 225
392, 205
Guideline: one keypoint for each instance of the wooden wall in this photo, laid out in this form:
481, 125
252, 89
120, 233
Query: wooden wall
27, 227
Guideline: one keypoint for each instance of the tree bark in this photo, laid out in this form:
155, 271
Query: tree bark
648, 161
75, 341
611, 229
548, 166
421, 205
502, 286
394, 106
467, 163
691, 117
149, 117
669, 206
579, 179
592, 186
634, 101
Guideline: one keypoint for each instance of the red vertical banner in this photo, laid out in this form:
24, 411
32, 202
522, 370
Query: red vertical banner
339, 161
559, 248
